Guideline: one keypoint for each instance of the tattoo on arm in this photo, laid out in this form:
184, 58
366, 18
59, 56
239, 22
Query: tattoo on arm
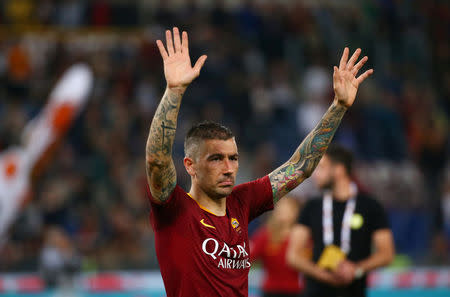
161, 174
305, 159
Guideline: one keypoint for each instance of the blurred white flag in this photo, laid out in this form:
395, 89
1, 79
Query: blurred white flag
17, 163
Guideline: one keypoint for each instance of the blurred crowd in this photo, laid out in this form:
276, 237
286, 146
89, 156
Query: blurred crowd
267, 77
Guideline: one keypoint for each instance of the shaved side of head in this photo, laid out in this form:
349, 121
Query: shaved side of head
203, 131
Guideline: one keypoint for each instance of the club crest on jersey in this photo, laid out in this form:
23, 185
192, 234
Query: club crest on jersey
235, 225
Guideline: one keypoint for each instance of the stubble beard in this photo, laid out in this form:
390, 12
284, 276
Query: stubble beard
217, 193
328, 186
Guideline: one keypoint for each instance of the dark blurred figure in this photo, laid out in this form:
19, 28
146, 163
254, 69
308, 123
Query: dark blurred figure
343, 226
59, 261
100, 13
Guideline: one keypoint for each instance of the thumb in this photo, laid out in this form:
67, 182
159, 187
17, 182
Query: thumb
199, 64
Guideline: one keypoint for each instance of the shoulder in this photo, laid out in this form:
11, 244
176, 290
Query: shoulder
260, 182
312, 209
315, 202
255, 187
368, 200
375, 212
174, 197
372, 207
254, 197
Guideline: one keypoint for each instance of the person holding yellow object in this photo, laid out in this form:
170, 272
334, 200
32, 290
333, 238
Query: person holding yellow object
343, 225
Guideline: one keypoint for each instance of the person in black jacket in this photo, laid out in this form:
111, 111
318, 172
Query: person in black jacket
344, 225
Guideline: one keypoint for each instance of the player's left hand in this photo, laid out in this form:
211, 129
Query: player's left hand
345, 82
346, 271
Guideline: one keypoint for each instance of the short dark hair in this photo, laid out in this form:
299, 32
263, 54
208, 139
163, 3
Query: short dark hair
205, 130
340, 155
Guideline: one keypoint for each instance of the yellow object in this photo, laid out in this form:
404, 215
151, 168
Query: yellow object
234, 223
357, 221
201, 206
206, 225
19, 11
331, 257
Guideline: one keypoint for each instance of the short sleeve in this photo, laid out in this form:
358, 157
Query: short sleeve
256, 196
305, 215
163, 214
378, 216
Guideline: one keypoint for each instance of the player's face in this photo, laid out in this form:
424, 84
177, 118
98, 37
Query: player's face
285, 212
323, 174
216, 167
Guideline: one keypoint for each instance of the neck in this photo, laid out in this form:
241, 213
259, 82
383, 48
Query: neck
216, 206
278, 231
341, 189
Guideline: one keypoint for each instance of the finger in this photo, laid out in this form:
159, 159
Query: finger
336, 77
185, 44
162, 50
359, 65
353, 59
176, 39
169, 43
343, 59
199, 64
363, 76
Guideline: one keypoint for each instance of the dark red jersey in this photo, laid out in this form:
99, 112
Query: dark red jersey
279, 277
204, 255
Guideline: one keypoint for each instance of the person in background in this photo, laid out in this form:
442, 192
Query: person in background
269, 245
344, 226
59, 261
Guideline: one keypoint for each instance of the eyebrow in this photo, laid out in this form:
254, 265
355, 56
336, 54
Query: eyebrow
215, 156
221, 156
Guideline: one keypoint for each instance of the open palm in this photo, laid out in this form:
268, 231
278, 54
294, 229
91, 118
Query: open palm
177, 63
345, 82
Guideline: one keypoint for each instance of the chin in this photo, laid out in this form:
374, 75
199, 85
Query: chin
224, 192
325, 186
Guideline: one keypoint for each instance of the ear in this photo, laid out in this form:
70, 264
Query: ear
189, 165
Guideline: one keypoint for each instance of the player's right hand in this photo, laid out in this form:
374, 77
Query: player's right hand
177, 63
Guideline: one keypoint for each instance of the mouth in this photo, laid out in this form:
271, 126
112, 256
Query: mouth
226, 183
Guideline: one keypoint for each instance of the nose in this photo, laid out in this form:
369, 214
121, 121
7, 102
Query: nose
227, 167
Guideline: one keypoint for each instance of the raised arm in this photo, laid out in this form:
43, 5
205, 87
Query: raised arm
305, 159
179, 73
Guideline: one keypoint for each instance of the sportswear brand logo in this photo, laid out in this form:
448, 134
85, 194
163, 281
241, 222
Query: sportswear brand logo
206, 225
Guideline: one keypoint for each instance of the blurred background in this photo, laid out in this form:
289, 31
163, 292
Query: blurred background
267, 77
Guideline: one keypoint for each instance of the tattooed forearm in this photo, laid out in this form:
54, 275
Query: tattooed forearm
161, 172
162, 180
162, 129
305, 159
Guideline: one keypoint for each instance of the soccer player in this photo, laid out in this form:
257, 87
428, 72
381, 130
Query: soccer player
201, 237
344, 220
269, 245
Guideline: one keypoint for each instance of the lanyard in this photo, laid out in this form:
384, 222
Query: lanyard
327, 219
